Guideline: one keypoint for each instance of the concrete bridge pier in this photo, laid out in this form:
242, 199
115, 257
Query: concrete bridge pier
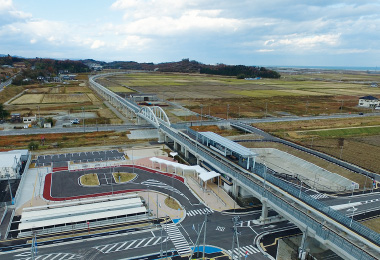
198, 160
186, 154
161, 136
302, 252
264, 210
175, 146
235, 189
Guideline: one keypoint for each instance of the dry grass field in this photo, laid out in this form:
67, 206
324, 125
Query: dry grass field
76, 89
92, 97
65, 98
67, 140
360, 179
373, 224
28, 99
295, 94
356, 140
120, 89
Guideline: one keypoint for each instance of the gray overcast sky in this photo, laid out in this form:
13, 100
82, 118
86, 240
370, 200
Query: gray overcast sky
250, 32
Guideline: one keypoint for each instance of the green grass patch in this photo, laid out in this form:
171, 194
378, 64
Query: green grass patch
120, 89
124, 176
345, 132
267, 93
373, 224
90, 179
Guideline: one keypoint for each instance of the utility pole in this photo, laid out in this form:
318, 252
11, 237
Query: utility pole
235, 220
196, 245
84, 130
201, 113
228, 110
39, 116
204, 237
34, 248
266, 108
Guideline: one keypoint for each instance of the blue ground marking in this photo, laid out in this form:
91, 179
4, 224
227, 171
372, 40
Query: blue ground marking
176, 220
208, 249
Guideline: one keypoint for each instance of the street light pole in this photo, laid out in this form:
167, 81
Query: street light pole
84, 130
228, 109
299, 195
201, 113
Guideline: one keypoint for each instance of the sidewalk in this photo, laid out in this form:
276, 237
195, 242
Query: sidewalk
215, 198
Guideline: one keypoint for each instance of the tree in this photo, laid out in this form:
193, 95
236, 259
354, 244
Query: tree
33, 145
3, 113
50, 120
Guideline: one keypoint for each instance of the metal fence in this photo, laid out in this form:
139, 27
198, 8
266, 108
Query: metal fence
312, 223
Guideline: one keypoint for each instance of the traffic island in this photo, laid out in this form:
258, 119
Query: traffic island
90, 179
123, 177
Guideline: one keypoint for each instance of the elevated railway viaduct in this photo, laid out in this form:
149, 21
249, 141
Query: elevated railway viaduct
348, 238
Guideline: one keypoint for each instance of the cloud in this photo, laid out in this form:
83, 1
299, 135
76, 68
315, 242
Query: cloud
212, 30
97, 44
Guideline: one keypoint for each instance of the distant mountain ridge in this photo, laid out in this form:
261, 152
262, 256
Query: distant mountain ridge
51, 67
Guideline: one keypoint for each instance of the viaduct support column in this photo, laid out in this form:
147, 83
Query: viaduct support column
186, 154
175, 146
264, 210
161, 136
302, 252
235, 189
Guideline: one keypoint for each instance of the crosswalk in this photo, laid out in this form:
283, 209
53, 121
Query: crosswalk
319, 196
246, 223
245, 250
52, 256
179, 241
203, 211
162, 185
122, 246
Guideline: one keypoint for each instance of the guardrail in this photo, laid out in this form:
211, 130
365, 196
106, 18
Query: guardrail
321, 231
9, 225
4, 213
98, 87
328, 158
238, 173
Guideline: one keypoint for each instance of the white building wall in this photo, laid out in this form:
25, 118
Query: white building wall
368, 103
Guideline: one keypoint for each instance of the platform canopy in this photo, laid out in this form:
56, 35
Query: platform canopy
228, 144
208, 175
198, 169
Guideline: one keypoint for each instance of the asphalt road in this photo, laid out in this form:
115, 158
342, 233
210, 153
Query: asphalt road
35, 131
119, 246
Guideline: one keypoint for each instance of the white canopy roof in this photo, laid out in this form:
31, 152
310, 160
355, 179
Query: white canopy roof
208, 175
196, 168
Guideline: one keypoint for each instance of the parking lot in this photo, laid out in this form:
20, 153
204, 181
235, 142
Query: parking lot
81, 157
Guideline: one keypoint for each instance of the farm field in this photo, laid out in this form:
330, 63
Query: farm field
59, 100
360, 179
309, 94
65, 98
120, 89
66, 140
28, 99
355, 140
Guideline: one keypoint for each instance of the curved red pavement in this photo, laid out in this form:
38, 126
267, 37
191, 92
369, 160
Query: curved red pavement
48, 182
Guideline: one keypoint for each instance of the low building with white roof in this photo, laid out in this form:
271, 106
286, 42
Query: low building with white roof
11, 163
